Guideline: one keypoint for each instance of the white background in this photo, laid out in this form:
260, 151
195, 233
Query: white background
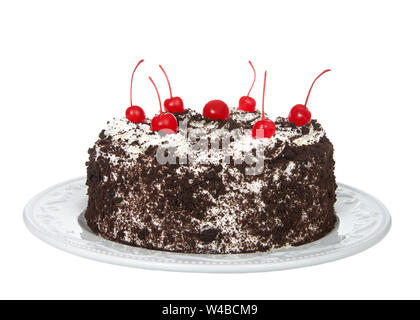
65, 68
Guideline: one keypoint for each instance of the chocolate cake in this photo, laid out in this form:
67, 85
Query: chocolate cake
210, 187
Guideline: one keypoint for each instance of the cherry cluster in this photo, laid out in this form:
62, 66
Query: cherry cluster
216, 109
163, 121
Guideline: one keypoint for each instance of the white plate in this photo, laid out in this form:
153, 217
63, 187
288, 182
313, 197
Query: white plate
56, 217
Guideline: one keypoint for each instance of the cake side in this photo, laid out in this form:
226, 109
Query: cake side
208, 205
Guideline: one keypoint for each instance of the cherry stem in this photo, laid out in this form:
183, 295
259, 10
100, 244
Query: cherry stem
255, 76
160, 102
265, 79
131, 85
167, 79
309, 92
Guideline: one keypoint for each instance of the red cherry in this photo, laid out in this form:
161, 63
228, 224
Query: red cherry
173, 104
134, 114
163, 121
300, 114
264, 128
246, 103
216, 109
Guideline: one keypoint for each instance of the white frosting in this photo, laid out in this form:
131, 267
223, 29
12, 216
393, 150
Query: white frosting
137, 138
290, 168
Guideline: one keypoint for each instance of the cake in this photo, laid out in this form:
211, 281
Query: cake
210, 185
212, 207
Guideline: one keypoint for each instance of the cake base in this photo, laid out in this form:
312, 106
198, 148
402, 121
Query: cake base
216, 207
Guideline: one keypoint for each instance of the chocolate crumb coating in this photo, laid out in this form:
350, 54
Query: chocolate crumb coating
211, 206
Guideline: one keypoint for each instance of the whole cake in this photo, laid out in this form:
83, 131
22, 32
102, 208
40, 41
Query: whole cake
211, 185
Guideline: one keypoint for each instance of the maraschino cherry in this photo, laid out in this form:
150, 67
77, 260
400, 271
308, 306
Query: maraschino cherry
300, 114
246, 103
164, 121
216, 109
173, 104
134, 114
264, 128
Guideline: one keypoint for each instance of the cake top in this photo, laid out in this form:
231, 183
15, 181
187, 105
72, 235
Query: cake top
215, 136
209, 140
217, 110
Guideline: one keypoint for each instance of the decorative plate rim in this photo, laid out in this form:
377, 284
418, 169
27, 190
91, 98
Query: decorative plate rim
115, 253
